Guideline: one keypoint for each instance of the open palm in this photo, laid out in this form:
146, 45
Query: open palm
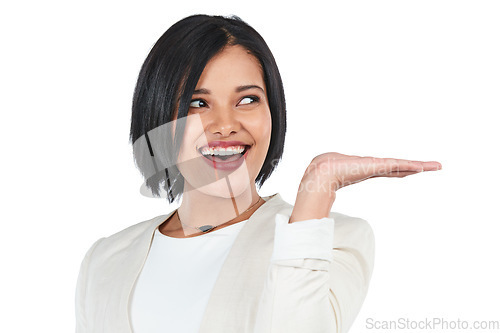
329, 172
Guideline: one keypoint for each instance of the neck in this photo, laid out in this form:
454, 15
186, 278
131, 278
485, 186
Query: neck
199, 208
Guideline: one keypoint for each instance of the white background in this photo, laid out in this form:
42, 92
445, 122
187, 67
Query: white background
406, 79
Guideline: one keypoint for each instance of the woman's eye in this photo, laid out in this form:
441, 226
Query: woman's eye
249, 99
197, 103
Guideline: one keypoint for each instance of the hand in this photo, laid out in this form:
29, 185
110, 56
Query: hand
329, 172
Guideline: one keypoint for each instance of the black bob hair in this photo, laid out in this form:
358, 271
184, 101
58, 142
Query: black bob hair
167, 81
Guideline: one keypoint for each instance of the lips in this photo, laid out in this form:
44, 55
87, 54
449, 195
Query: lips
224, 144
230, 164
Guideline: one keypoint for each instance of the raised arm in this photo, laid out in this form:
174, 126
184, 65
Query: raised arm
322, 263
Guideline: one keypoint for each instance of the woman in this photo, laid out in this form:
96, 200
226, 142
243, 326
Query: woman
208, 125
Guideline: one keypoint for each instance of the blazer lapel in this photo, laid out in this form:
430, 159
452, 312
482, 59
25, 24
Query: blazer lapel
233, 304
136, 256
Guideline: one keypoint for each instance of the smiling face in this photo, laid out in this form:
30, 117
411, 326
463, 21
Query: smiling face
228, 127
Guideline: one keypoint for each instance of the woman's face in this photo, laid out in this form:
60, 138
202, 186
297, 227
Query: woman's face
228, 127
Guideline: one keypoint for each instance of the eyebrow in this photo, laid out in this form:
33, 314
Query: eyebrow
238, 89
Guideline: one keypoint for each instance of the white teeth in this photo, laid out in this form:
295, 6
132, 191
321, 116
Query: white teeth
220, 151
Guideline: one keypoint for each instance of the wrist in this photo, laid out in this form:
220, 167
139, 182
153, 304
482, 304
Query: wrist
312, 205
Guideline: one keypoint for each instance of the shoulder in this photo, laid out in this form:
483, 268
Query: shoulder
350, 229
136, 230
354, 245
121, 240
351, 234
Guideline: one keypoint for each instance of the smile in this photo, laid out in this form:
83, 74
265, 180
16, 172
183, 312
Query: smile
224, 155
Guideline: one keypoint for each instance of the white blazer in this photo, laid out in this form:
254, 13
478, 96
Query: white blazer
252, 294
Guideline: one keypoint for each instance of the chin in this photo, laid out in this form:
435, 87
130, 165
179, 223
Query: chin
238, 185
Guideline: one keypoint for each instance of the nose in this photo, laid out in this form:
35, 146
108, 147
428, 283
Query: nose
223, 121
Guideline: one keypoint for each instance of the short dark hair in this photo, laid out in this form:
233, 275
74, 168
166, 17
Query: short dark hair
167, 81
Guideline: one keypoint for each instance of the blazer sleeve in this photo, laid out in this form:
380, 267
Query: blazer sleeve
81, 288
318, 276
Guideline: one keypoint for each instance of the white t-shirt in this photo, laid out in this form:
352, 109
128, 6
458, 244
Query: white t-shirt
173, 289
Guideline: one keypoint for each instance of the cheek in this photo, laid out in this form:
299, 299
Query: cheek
193, 130
266, 127
261, 132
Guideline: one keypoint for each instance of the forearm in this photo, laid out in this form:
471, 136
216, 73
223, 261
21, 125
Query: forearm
312, 203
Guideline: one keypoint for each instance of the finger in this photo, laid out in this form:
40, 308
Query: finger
398, 174
432, 166
388, 165
428, 166
383, 166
